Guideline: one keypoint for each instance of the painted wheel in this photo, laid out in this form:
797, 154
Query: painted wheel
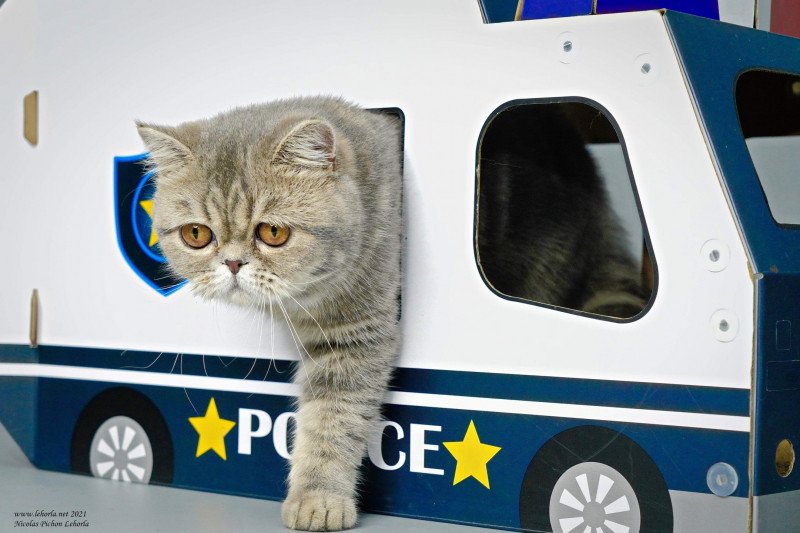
121, 451
592, 479
121, 435
594, 498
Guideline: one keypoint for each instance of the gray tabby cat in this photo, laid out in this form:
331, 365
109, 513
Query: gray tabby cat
296, 204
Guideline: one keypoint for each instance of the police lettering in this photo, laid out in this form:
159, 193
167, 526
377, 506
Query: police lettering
257, 424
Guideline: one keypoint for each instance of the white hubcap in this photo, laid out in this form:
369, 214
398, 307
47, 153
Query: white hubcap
121, 451
594, 498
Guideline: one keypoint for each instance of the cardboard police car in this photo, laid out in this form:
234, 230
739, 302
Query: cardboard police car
503, 412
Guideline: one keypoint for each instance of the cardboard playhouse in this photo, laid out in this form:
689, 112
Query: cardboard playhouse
503, 412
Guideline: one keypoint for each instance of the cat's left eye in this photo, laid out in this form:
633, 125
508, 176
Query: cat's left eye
272, 235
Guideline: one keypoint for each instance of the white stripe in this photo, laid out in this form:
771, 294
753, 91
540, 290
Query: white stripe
148, 378
443, 401
563, 410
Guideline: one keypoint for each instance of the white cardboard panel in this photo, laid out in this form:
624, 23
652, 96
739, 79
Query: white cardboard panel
98, 65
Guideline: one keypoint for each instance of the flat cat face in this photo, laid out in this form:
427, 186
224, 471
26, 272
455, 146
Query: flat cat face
246, 208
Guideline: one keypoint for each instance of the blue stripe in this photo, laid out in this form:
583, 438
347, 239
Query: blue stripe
18, 353
170, 363
666, 397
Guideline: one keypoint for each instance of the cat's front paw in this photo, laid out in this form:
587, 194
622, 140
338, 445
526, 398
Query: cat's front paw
318, 511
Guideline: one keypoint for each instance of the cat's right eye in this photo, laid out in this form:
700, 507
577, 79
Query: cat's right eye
272, 235
196, 235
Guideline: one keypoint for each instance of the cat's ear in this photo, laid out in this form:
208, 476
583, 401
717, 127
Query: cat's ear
168, 155
310, 145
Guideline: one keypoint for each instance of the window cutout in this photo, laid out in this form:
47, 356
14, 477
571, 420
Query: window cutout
769, 114
557, 219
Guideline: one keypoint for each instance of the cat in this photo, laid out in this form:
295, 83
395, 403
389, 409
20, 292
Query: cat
545, 231
297, 203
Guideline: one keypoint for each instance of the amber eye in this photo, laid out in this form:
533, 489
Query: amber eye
273, 235
196, 235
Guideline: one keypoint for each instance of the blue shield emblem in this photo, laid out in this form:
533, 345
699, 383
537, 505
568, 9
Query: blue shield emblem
138, 242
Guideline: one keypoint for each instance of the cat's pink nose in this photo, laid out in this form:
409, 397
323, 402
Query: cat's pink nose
234, 264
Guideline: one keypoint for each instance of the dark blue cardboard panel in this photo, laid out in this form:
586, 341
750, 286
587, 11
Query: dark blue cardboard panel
18, 398
682, 455
498, 10
777, 393
17, 410
421, 481
713, 56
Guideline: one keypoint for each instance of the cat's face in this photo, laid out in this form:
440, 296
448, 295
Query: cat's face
245, 217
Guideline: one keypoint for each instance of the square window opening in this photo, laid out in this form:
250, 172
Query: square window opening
557, 219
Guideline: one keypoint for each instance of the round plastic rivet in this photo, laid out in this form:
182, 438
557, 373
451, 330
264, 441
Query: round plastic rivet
715, 255
568, 47
722, 479
725, 325
647, 70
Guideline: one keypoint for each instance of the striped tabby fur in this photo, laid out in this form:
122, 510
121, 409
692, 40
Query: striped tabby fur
331, 172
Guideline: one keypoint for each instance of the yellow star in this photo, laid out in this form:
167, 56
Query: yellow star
471, 457
147, 205
212, 430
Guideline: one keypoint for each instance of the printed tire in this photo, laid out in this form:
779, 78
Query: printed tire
121, 435
595, 477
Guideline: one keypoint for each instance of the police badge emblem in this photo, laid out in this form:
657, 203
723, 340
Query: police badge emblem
137, 239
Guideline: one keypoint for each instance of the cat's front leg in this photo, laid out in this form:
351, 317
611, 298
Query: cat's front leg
343, 386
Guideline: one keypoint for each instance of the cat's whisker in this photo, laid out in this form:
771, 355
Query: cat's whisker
144, 367
263, 309
252, 367
259, 310
252, 309
271, 336
302, 360
324, 335
295, 336
186, 392
309, 281
175, 275
271, 363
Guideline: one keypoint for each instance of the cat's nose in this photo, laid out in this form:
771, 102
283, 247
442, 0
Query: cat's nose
234, 265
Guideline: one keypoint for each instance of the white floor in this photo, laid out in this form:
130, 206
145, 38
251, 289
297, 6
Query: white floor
130, 507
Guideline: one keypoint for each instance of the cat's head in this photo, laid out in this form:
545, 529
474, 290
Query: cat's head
245, 209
